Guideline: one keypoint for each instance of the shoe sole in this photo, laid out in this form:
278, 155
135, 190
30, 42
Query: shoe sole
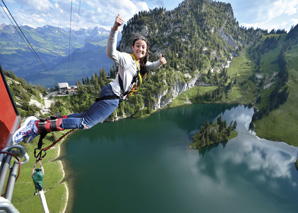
22, 127
30, 138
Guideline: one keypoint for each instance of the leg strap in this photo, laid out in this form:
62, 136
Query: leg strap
41, 125
55, 124
49, 125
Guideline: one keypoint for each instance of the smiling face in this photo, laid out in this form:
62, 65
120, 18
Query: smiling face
139, 48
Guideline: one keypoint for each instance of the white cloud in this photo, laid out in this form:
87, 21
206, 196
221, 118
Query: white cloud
293, 21
36, 5
266, 14
289, 7
45, 12
103, 13
126, 8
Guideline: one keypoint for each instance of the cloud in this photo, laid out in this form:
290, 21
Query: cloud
110, 9
266, 10
266, 14
36, 5
274, 161
86, 14
288, 7
294, 21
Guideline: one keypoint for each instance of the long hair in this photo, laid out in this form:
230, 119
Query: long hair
143, 60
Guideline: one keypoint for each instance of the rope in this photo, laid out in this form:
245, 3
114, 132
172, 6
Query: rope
53, 144
40, 156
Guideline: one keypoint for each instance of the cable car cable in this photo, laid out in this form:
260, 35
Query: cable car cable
27, 41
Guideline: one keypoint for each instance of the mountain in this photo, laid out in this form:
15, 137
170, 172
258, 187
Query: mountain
197, 37
198, 34
53, 45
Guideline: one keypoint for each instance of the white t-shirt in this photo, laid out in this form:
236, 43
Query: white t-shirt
127, 67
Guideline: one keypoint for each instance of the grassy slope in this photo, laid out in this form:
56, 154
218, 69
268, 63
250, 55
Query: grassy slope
282, 123
240, 69
55, 192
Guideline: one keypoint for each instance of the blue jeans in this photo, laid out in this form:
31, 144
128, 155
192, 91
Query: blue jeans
97, 113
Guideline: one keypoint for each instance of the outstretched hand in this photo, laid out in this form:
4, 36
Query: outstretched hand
118, 22
162, 59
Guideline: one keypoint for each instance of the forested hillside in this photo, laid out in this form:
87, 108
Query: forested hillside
25, 95
198, 35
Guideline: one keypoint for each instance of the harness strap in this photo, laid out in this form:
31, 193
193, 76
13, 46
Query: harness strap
136, 78
41, 137
107, 98
41, 125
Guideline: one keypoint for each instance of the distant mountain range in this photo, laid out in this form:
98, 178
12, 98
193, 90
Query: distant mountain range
67, 57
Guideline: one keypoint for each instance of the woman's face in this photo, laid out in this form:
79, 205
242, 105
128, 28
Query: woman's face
139, 49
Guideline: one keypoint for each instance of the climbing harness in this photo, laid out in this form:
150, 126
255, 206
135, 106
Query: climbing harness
136, 83
45, 126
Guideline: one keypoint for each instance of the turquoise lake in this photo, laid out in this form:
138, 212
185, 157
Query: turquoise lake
146, 166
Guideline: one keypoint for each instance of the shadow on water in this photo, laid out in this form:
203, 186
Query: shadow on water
212, 146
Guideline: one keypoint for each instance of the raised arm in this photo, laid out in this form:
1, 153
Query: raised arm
33, 168
42, 169
118, 22
112, 40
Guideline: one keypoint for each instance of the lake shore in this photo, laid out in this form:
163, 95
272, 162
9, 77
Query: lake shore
62, 167
68, 178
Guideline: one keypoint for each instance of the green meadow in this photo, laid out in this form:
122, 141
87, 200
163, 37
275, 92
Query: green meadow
54, 184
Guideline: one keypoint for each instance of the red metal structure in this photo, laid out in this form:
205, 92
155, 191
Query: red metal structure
9, 169
9, 116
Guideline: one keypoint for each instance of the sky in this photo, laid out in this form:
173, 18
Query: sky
264, 14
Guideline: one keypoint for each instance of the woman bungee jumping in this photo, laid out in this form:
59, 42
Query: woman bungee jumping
131, 69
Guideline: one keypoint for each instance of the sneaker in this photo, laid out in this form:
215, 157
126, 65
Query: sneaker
27, 129
29, 138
